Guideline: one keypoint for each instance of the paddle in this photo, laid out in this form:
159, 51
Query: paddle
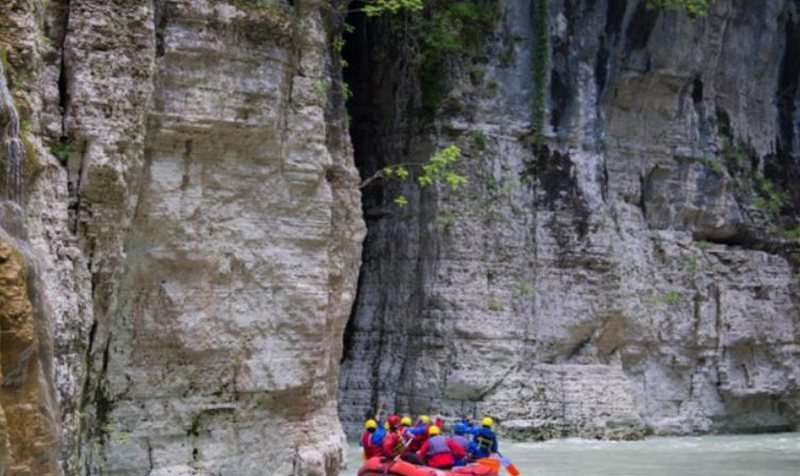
512, 470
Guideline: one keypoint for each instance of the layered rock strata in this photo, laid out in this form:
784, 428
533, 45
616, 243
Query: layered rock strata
197, 223
629, 276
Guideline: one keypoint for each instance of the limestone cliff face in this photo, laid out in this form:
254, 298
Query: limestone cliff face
196, 225
634, 274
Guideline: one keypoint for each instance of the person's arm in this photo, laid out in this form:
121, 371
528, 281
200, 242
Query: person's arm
379, 435
387, 446
417, 430
423, 450
494, 444
456, 449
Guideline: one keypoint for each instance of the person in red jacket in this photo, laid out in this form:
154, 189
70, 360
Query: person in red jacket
419, 433
393, 444
441, 452
372, 439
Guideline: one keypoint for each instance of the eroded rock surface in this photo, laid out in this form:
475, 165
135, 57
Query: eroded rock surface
197, 226
629, 277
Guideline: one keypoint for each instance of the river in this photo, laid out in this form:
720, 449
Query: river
734, 455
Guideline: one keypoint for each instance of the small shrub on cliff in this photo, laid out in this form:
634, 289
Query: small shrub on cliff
374, 8
524, 289
439, 169
496, 305
692, 7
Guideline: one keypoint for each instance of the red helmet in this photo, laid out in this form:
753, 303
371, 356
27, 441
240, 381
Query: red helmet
393, 420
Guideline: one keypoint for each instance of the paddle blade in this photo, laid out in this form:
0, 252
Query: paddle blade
512, 470
490, 462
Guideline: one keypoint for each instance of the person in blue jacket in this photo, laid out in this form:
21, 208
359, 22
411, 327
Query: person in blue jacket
460, 431
484, 441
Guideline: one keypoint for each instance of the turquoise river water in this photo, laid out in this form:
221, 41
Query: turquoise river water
735, 455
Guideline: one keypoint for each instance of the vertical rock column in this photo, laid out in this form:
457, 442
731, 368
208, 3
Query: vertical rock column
224, 341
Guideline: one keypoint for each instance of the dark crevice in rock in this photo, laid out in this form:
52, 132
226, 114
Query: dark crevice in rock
787, 156
561, 93
562, 88
63, 91
601, 67
615, 14
697, 91
640, 27
160, 17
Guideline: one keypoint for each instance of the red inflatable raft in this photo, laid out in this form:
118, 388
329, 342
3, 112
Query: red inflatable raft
377, 467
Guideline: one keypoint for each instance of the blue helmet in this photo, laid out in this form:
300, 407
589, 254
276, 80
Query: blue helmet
459, 429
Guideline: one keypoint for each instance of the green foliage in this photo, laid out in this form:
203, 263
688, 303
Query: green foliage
374, 8
63, 150
399, 172
792, 233
736, 152
691, 266
444, 220
713, 165
479, 140
524, 289
508, 188
669, 297
541, 71
496, 305
692, 7
770, 199
346, 91
258, 5
445, 30
440, 168
508, 53
322, 87
115, 435
703, 244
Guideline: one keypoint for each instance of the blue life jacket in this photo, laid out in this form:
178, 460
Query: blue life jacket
485, 442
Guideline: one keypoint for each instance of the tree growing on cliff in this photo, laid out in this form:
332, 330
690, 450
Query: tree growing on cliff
439, 169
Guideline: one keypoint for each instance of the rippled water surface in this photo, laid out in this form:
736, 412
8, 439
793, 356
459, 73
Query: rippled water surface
751, 455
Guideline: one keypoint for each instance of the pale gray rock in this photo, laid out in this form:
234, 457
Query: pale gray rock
197, 231
620, 283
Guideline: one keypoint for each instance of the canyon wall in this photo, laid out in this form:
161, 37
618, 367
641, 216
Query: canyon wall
630, 267
181, 237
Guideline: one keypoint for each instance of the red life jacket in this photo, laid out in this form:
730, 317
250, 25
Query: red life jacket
418, 440
392, 444
370, 448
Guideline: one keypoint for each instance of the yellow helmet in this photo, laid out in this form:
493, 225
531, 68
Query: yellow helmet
487, 421
433, 430
425, 419
371, 424
406, 421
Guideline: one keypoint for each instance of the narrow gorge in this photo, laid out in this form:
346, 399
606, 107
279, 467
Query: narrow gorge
197, 281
